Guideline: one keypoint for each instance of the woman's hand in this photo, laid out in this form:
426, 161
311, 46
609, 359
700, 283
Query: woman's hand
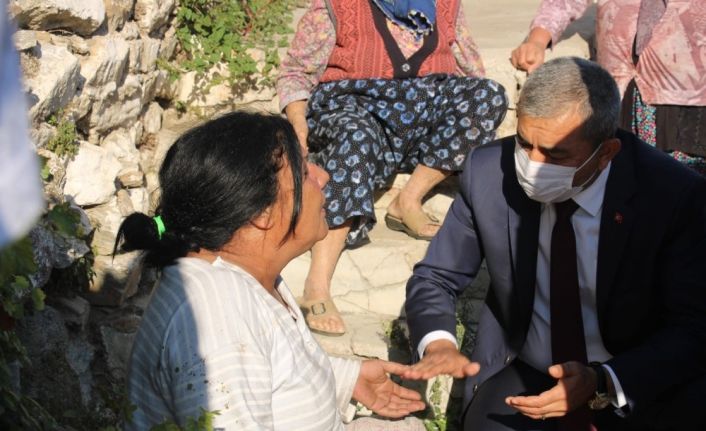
376, 391
296, 114
530, 54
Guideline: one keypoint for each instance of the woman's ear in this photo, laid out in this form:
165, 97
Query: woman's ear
610, 149
264, 220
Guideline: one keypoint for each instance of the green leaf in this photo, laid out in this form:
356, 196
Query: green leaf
64, 219
16, 259
44, 172
38, 297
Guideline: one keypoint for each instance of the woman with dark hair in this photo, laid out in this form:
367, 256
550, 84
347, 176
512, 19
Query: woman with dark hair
222, 330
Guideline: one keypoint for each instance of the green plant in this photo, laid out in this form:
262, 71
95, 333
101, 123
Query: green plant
17, 296
17, 412
438, 422
203, 423
44, 171
64, 142
225, 33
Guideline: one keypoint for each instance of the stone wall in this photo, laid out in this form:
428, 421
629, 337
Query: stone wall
91, 64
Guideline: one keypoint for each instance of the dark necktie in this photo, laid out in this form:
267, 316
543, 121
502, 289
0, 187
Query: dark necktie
568, 342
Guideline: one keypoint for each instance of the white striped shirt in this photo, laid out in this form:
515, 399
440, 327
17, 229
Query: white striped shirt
212, 337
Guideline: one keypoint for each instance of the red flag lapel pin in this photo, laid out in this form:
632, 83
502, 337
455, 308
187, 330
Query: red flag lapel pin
618, 218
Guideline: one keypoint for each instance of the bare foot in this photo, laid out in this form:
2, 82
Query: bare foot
322, 316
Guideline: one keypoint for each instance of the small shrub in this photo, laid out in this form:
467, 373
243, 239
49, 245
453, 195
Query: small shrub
224, 32
65, 140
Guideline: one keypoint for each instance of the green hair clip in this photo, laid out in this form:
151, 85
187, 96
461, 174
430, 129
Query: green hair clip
160, 226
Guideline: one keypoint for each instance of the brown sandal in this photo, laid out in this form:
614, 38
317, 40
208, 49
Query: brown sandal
412, 225
320, 309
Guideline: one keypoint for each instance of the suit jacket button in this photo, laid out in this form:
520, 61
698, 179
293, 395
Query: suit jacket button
475, 388
508, 359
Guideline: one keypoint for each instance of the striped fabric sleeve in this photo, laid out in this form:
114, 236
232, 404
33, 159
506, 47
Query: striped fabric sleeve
346, 373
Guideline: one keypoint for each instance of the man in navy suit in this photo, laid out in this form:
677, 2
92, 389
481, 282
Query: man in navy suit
595, 244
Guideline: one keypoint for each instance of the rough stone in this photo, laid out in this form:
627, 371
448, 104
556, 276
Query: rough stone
130, 31
140, 200
115, 280
119, 107
75, 311
153, 118
41, 134
53, 189
131, 177
55, 82
107, 62
50, 377
25, 39
149, 86
143, 54
79, 16
117, 348
106, 218
169, 44
121, 144
124, 203
117, 12
73, 43
152, 14
165, 87
90, 176
52, 250
79, 355
42, 332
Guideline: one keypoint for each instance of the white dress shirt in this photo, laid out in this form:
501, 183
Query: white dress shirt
586, 222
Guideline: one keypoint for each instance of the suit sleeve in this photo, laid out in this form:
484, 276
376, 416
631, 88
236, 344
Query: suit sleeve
675, 353
451, 263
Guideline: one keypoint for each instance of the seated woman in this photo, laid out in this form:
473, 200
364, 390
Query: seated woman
222, 331
373, 87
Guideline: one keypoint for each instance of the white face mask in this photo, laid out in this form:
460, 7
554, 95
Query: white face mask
545, 182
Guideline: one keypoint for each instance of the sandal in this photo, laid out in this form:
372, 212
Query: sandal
318, 310
412, 225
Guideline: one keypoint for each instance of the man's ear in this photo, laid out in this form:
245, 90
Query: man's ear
264, 220
609, 150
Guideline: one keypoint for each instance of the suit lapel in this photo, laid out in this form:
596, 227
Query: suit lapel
617, 219
523, 236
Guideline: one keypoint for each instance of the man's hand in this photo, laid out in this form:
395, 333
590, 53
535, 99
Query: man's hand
296, 114
576, 384
530, 54
442, 357
376, 391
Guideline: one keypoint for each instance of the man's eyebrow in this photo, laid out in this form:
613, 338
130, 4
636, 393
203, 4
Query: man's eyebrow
520, 138
554, 151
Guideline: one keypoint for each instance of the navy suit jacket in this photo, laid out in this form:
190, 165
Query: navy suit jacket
651, 271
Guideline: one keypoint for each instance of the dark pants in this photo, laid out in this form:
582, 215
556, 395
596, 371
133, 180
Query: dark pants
684, 410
